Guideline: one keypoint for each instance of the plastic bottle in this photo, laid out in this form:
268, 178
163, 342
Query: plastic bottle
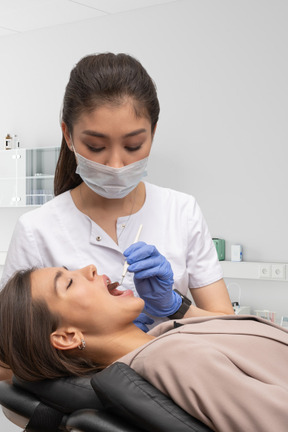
16, 142
8, 142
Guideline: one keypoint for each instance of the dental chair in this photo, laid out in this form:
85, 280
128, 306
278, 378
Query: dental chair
116, 399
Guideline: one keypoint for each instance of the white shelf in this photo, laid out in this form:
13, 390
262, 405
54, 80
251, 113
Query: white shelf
40, 177
34, 177
233, 270
254, 270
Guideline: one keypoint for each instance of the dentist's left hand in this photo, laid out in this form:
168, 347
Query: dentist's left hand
153, 278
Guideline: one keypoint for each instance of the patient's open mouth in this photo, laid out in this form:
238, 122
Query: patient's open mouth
112, 285
112, 288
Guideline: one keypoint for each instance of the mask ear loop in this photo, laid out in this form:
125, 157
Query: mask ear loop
73, 149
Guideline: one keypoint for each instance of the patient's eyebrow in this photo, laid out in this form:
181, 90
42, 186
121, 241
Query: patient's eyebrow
57, 276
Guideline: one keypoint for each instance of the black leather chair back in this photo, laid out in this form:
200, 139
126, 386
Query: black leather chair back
114, 400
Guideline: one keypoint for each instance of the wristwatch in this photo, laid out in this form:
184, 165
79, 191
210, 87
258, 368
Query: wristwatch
186, 303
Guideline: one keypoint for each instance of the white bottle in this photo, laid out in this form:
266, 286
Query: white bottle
236, 253
16, 142
8, 142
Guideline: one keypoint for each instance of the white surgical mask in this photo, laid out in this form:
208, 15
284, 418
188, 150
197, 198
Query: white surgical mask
110, 182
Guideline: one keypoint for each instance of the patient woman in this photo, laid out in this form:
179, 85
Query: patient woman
229, 372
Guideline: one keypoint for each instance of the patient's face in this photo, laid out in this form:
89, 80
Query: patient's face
82, 298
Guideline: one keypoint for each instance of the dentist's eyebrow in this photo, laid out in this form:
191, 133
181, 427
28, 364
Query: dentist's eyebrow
136, 132
101, 135
94, 133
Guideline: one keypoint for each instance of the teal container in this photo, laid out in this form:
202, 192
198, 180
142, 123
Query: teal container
220, 248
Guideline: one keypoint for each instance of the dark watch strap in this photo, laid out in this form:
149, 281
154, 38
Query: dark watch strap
186, 303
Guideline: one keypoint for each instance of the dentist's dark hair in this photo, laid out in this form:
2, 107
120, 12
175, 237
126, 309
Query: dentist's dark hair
97, 80
26, 325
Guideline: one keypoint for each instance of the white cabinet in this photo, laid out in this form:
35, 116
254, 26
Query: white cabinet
27, 176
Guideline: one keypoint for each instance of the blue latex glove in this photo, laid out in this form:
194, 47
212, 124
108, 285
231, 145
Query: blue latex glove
153, 278
142, 321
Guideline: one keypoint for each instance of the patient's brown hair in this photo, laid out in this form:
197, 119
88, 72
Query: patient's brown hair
26, 325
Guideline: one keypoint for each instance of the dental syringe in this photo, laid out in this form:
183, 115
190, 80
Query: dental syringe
126, 265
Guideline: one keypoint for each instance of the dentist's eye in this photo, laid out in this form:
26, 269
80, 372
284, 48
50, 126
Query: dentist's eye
133, 148
95, 148
70, 283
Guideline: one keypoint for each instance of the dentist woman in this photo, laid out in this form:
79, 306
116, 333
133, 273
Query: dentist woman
109, 119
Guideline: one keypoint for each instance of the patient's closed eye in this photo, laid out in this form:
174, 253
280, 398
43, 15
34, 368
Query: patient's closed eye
70, 283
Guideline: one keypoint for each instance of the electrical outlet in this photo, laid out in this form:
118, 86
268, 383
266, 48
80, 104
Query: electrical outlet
264, 271
278, 271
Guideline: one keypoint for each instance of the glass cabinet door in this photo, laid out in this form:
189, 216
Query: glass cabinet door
27, 176
12, 173
40, 168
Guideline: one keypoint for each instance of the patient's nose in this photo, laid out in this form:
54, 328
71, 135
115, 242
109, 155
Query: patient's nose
89, 272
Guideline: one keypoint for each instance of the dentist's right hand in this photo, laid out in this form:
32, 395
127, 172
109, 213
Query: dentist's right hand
153, 278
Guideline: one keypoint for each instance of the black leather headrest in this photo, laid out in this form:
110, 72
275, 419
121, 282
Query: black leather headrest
64, 394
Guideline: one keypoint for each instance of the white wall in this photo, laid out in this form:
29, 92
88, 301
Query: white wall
221, 70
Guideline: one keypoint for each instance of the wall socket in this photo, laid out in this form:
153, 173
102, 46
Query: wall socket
272, 271
265, 271
278, 271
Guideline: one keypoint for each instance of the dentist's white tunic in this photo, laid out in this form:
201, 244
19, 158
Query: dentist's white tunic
58, 234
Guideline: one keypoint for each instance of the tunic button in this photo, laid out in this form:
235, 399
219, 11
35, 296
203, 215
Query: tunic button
98, 238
